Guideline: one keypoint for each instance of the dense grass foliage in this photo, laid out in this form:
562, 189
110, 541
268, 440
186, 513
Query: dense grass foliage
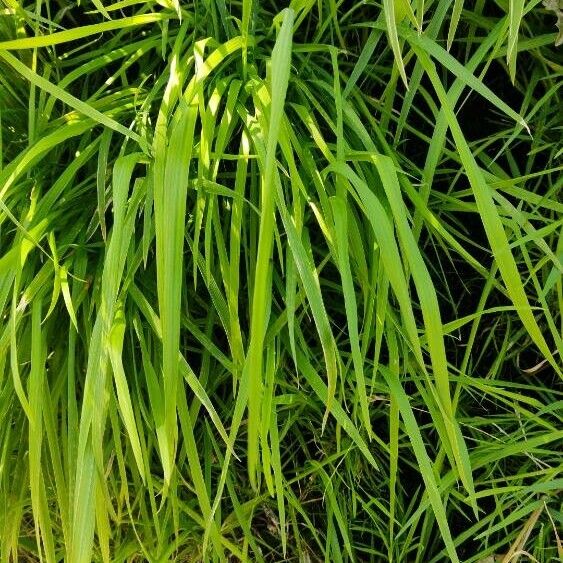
280, 281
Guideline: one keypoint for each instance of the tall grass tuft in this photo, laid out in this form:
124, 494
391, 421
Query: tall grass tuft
280, 281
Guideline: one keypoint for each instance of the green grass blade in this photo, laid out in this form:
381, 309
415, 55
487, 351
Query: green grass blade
424, 463
280, 65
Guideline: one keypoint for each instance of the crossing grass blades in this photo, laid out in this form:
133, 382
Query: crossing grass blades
281, 281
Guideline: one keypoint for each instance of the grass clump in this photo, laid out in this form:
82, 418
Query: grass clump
280, 281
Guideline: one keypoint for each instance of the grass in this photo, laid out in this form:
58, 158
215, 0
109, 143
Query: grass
280, 281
